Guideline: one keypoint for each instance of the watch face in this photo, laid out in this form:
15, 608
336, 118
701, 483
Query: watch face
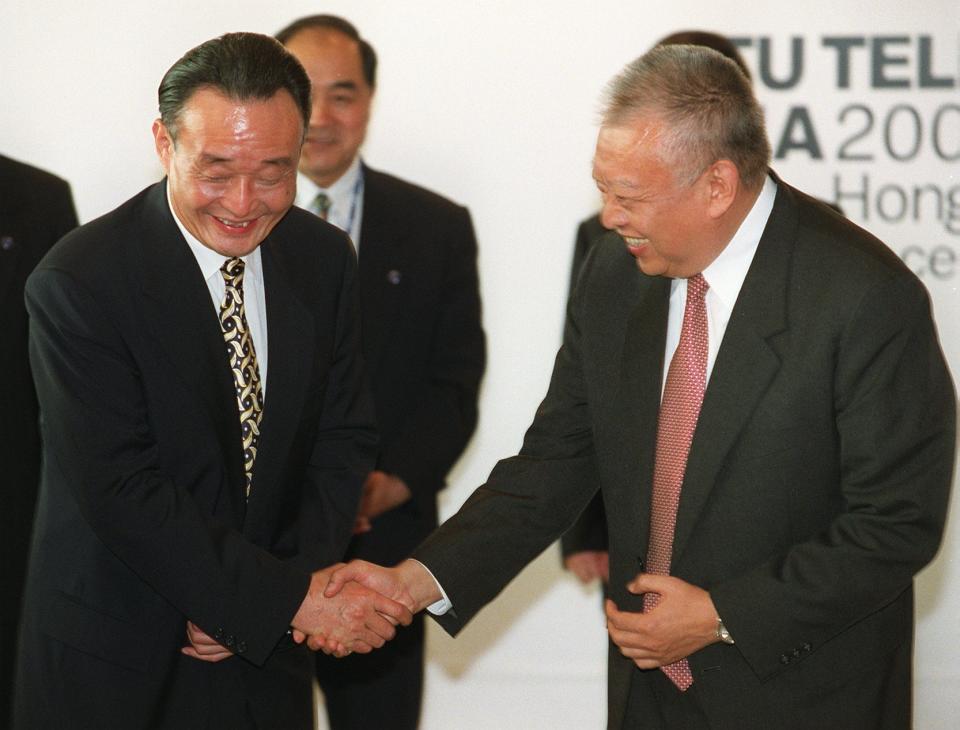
722, 633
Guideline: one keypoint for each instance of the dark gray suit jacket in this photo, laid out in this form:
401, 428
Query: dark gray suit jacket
816, 485
142, 522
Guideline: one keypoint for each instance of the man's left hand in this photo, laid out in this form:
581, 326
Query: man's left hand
382, 492
683, 622
203, 646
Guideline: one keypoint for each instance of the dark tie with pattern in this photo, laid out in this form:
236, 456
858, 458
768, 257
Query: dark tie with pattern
321, 205
679, 410
243, 362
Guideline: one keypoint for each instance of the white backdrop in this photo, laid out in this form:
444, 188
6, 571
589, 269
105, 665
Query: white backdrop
493, 103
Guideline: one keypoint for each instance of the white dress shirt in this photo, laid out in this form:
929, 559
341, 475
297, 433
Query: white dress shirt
254, 298
725, 276
346, 199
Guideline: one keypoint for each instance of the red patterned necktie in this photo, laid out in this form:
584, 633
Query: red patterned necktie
243, 362
679, 410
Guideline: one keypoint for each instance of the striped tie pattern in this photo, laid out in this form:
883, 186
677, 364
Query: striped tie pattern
679, 411
243, 362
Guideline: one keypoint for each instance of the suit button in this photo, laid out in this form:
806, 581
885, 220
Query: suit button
784, 659
218, 634
806, 647
229, 642
241, 646
796, 653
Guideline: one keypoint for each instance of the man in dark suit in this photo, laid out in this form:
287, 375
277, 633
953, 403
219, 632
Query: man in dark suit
196, 356
422, 340
584, 545
769, 416
36, 209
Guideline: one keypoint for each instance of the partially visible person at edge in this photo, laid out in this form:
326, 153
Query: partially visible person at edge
36, 209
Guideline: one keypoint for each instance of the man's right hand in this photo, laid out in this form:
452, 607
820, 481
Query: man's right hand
408, 583
355, 619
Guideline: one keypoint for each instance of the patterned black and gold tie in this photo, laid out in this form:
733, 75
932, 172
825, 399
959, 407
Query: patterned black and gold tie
243, 361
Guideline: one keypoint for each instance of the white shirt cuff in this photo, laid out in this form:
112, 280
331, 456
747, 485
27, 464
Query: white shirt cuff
437, 608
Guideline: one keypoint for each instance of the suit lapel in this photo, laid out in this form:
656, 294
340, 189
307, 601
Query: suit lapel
290, 342
180, 316
641, 374
746, 364
381, 269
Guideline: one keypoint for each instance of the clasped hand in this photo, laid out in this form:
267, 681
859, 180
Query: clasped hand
683, 622
353, 619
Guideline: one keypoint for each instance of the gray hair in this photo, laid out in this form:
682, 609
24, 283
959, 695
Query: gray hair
707, 107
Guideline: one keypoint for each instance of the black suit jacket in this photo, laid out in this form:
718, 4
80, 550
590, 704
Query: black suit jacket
142, 522
816, 485
36, 209
423, 344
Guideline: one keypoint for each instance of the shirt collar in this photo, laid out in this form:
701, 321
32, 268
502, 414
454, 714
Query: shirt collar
340, 192
209, 260
727, 272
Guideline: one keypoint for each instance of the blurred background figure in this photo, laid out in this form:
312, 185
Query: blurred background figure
36, 209
422, 341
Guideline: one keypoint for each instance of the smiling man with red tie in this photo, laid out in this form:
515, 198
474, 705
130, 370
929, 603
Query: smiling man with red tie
757, 386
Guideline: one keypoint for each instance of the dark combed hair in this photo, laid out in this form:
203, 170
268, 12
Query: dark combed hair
368, 57
241, 66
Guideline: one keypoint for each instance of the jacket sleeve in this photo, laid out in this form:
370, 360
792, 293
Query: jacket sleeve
527, 501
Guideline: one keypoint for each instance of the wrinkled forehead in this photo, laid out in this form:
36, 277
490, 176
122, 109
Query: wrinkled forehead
625, 145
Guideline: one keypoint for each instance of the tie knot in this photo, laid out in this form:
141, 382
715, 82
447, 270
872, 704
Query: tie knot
697, 287
232, 271
321, 205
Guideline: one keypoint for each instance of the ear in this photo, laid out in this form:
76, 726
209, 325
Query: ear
723, 184
163, 143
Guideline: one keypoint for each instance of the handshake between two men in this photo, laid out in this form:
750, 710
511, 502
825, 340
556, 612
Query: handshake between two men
348, 608
356, 607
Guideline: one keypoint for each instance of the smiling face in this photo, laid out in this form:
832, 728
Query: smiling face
341, 100
231, 172
669, 227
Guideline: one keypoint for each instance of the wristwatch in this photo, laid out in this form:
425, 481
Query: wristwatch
722, 633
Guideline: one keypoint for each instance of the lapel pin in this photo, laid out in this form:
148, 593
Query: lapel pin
394, 276
7, 243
